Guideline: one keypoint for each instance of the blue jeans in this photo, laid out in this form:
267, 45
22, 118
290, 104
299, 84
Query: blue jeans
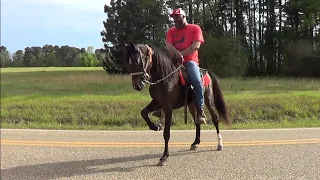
193, 73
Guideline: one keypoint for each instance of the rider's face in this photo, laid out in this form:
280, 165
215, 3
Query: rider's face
178, 20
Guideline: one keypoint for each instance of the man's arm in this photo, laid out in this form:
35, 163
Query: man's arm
197, 38
192, 48
174, 53
172, 50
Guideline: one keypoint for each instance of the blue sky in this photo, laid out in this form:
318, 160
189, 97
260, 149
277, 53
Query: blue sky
57, 22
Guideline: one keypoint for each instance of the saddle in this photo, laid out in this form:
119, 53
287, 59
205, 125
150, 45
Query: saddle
184, 78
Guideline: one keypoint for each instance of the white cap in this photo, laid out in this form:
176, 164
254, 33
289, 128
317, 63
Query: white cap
177, 11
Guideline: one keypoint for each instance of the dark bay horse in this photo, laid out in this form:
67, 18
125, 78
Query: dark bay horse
148, 65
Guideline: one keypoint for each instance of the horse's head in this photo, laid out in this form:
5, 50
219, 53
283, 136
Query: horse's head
138, 62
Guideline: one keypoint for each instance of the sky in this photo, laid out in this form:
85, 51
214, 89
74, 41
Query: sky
26, 23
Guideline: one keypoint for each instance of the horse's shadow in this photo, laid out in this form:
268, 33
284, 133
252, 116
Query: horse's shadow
83, 167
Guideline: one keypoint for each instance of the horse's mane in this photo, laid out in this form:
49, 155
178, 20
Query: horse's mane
164, 66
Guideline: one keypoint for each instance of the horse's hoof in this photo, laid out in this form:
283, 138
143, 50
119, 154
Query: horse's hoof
159, 127
193, 147
219, 148
162, 162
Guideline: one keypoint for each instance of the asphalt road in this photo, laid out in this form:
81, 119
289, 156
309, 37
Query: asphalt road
248, 154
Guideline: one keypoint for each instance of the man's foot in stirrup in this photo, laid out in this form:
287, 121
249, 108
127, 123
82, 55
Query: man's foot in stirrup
158, 114
201, 117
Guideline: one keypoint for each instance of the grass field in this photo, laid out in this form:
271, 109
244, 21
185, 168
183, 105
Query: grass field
88, 98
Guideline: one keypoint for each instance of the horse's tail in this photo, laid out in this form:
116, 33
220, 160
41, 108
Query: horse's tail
218, 99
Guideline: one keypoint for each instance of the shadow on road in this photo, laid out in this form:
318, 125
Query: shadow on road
84, 167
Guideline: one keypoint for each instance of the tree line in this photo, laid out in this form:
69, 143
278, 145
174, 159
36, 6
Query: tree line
52, 56
242, 37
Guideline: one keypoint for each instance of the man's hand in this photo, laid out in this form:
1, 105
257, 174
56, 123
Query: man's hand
177, 58
176, 55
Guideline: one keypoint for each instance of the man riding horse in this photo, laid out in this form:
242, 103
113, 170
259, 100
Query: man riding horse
147, 65
183, 41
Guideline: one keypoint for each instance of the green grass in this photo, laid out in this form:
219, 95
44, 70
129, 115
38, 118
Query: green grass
88, 98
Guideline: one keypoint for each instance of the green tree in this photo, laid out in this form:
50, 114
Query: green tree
38, 58
18, 58
5, 57
89, 58
27, 58
224, 56
138, 21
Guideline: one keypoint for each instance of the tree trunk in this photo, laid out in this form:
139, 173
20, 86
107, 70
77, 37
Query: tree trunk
249, 14
203, 14
279, 60
190, 12
232, 19
255, 39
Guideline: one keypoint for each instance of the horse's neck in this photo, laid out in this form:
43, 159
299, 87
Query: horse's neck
156, 75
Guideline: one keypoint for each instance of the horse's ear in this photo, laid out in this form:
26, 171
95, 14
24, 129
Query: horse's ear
126, 45
132, 45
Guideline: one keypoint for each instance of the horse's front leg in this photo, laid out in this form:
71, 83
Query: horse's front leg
145, 115
192, 109
166, 136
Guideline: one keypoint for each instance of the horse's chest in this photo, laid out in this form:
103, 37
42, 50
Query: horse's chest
163, 96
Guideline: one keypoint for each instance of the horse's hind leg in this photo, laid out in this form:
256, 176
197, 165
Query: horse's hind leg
145, 114
196, 142
209, 101
219, 137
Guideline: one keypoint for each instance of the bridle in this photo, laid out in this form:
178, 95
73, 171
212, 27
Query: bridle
145, 65
149, 56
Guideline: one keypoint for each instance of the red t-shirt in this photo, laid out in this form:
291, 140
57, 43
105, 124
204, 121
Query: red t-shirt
182, 38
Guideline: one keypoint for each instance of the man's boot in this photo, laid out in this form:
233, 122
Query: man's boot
201, 117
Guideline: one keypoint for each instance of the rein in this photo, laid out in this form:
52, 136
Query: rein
162, 79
